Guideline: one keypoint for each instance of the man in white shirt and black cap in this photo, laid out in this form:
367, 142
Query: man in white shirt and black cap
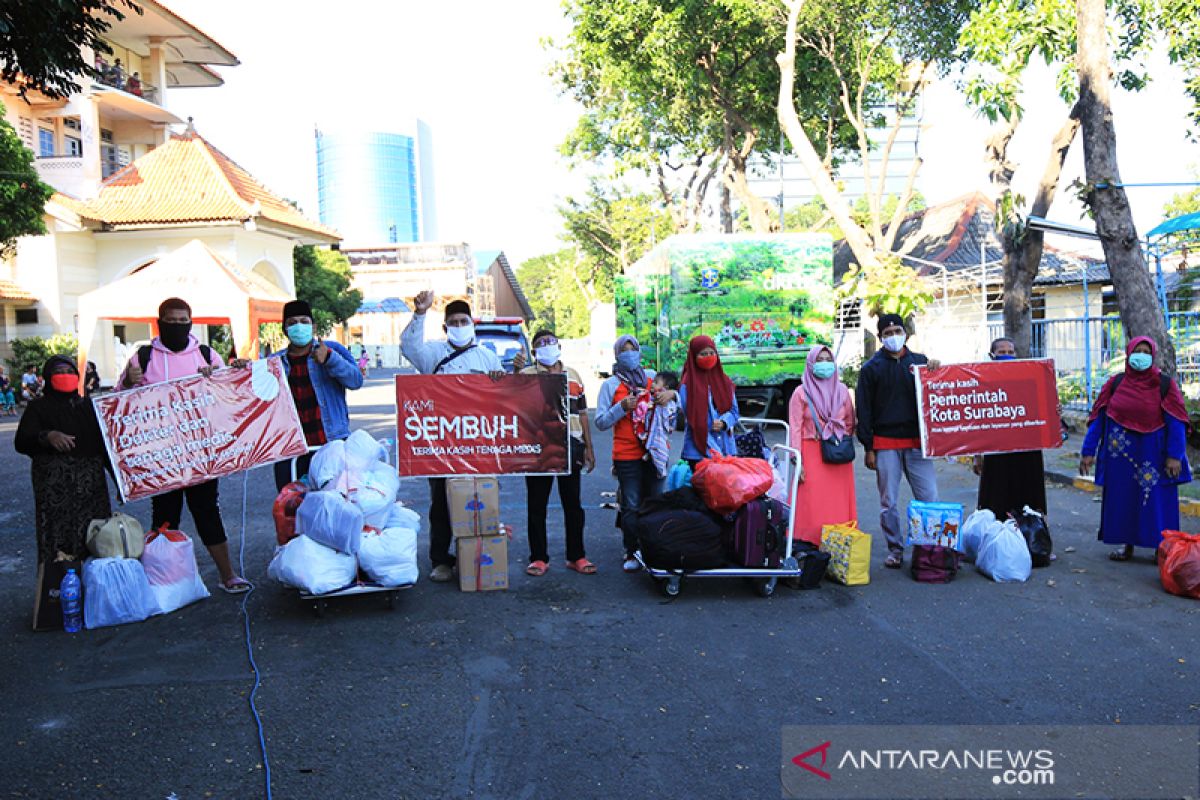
459, 354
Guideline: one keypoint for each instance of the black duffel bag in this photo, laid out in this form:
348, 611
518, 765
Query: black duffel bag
680, 539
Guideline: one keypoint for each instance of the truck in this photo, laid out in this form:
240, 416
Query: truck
765, 299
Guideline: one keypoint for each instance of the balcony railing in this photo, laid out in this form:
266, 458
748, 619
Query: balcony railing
118, 78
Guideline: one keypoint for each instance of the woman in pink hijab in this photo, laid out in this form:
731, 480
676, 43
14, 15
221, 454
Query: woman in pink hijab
821, 408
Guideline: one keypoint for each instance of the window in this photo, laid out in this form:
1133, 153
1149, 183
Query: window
74, 147
119, 333
27, 316
72, 123
45, 143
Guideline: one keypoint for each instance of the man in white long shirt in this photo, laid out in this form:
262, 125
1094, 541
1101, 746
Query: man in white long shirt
459, 354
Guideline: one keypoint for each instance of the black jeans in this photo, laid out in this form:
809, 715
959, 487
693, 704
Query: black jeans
439, 524
538, 489
202, 501
283, 470
638, 480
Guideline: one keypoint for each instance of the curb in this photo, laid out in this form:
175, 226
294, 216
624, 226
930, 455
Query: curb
1187, 507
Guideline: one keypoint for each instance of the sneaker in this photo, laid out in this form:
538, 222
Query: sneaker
442, 573
631, 564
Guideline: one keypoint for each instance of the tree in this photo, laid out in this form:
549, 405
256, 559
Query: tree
1104, 195
557, 299
323, 280
22, 195
1000, 40
880, 52
612, 228
42, 43
1182, 203
682, 86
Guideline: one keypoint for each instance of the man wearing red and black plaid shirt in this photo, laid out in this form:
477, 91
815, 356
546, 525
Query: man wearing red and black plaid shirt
319, 373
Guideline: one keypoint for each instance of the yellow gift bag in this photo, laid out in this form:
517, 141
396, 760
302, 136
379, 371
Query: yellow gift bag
849, 553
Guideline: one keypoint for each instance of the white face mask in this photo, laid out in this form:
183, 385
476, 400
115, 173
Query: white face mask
894, 343
548, 354
460, 336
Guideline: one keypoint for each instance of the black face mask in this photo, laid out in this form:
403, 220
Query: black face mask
174, 335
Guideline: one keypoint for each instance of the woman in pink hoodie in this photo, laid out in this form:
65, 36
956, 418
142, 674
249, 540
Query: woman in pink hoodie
176, 353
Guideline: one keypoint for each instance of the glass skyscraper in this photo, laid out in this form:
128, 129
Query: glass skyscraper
376, 188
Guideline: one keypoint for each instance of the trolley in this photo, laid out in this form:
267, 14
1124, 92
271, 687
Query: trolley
787, 461
321, 601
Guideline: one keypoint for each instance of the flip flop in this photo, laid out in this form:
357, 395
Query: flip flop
537, 568
236, 585
582, 566
894, 561
1120, 555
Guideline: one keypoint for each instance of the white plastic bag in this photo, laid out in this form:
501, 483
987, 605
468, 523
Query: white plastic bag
972, 532
374, 491
1003, 555
170, 564
400, 516
363, 451
330, 519
317, 569
115, 591
390, 557
327, 465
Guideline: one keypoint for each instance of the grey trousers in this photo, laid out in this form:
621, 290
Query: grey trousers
922, 478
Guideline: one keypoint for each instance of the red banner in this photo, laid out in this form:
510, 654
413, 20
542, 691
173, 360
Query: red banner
989, 407
471, 425
183, 432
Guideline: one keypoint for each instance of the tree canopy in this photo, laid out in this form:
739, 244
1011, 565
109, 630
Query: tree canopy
22, 195
323, 280
42, 42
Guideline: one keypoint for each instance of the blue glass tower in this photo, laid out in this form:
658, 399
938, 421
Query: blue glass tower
369, 186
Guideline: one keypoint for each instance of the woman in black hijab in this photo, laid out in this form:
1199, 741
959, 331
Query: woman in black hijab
59, 432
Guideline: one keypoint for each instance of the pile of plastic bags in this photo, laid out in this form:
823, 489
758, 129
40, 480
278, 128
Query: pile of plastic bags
997, 548
348, 520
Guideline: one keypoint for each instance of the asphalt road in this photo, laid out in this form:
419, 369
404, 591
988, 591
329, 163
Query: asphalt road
566, 685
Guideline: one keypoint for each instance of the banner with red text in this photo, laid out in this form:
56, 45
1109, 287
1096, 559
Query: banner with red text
471, 425
989, 407
183, 432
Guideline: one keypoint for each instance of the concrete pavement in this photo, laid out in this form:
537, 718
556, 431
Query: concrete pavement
567, 685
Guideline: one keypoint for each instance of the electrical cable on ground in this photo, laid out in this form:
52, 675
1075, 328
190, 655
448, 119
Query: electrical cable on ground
262, 741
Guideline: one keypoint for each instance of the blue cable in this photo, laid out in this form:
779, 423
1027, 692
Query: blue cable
262, 741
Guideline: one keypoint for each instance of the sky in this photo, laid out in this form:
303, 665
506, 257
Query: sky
478, 72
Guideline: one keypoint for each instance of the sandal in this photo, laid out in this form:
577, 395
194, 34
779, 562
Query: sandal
894, 561
582, 566
1124, 554
537, 568
236, 585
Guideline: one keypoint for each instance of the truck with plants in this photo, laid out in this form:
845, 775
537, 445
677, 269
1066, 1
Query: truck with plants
765, 299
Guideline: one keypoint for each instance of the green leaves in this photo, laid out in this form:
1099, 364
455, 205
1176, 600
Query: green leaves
323, 279
22, 195
888, 288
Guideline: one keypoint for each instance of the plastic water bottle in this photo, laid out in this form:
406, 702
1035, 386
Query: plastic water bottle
69, 596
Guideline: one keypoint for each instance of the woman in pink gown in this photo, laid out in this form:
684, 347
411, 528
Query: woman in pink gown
826, 494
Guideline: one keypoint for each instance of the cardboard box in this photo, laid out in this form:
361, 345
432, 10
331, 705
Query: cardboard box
482, 563
474, 506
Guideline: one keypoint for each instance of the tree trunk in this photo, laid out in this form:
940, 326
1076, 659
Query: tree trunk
1137, 300
856, 237
726, 209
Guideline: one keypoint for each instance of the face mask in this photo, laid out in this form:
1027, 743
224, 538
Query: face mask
1005, 357
300, 334
548, 354
1141, 361
460, 336
64, 382
174, 335
629, 359
824, 369
706, 362
895, 343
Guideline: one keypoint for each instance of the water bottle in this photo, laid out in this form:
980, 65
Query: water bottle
69, 597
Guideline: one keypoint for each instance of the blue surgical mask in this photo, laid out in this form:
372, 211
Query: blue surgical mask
824, 369
629, 359
1005, 357
1141, 361
894, 343
300, 334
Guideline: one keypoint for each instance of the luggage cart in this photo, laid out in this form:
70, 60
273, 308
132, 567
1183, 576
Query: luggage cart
321, 601
787, 460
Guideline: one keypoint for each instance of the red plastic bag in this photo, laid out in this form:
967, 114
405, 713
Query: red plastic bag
1179, 563
726, 483
284, 511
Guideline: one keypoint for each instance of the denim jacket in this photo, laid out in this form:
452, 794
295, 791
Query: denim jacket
330, 382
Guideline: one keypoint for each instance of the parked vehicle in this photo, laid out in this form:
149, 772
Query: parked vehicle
505, 336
